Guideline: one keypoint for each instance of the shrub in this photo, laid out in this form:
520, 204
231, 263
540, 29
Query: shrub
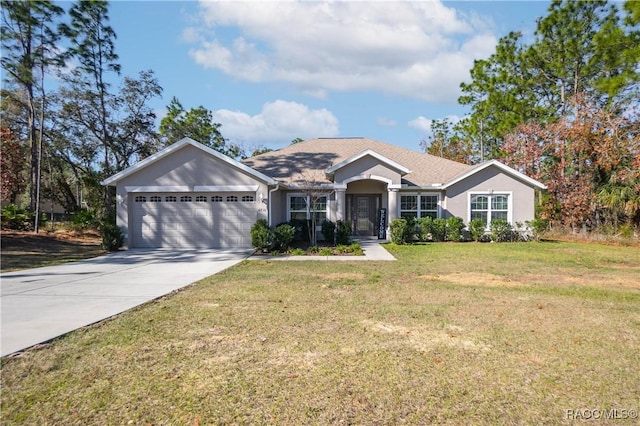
325, 251
500, 230
16, 218
455, 225
626, 231
403, 230
520, 232
356, 249
85, 219
302, 229
343, 232
424, 228
112, 238
438, 229
328, 230
260, 235
342, 249
398, 229
283, 235
538, 227
297, 252
477, 228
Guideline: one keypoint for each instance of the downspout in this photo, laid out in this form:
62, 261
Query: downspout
271, 191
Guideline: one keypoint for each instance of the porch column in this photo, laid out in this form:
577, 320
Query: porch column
393, 204
340, 203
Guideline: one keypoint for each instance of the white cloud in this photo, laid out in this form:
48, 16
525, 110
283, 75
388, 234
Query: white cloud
411, 49
386, 122
423, 124
278, 122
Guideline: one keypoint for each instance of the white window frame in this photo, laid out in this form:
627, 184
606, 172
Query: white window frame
309, 210
491, 194
419, 196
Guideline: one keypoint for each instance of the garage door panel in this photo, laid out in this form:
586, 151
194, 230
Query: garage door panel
193, 221
241, 213
200, 212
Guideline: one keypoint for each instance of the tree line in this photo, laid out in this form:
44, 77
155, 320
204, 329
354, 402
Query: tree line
563, 109
68, 119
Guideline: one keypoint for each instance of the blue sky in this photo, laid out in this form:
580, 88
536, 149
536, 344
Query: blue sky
274, 71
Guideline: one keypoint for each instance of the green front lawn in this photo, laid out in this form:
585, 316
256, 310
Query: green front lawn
449, 334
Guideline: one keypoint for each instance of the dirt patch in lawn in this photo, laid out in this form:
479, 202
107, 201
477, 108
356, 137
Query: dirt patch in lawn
425, 339
476, 279
23, 250
342, 276
480, 279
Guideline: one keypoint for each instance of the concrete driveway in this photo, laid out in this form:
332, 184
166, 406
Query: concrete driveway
40, 304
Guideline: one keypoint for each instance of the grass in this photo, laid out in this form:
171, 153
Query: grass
23, 250
448, 334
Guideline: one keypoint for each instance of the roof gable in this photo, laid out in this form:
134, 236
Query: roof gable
503, 167
381, 158
111, 181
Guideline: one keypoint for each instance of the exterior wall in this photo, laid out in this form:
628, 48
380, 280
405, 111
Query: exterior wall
186, 167
367, 187
189, 166
491, 179
366, 166
278, 207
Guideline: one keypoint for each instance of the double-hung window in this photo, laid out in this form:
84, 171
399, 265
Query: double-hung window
318, 208
489, 207
429, 206
417, 206
408, 206
303, 207
298, 208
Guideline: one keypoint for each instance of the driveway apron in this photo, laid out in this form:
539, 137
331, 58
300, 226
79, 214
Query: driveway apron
40, 304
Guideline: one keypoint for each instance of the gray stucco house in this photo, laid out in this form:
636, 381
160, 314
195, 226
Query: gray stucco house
189, 195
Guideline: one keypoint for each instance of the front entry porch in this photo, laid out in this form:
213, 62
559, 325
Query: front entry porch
363, 212
367, 204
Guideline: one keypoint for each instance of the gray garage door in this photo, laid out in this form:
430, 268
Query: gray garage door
193, 220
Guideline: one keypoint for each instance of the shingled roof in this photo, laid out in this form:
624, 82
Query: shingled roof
295, 163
